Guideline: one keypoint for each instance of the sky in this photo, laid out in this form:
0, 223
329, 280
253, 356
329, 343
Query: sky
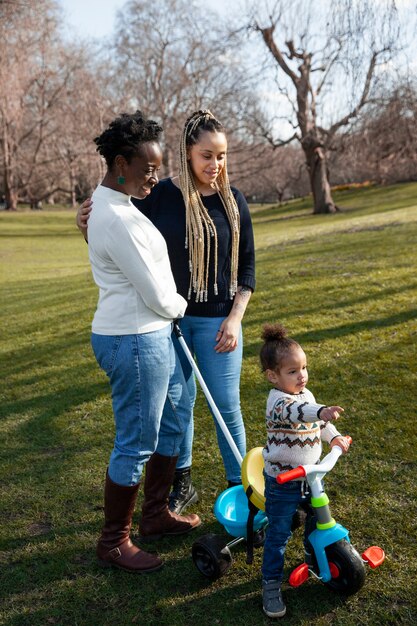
90, 18
96, 18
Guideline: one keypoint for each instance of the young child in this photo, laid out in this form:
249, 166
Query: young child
295, 427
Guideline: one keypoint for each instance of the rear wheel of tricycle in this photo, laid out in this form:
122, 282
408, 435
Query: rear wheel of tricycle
346, 567
211, 556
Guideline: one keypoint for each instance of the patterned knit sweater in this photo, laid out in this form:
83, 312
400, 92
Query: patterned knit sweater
294, 431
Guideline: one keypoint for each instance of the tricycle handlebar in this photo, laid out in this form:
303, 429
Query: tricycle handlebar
285, 477
325, 466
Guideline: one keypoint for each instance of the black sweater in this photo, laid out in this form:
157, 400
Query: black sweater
166, 210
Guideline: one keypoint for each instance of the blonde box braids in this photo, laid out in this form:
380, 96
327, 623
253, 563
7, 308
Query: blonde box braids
201, 232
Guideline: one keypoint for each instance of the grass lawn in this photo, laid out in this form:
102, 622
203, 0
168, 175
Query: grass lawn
345, 286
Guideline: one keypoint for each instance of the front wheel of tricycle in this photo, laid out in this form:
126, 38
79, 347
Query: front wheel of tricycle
211, 556
346, 566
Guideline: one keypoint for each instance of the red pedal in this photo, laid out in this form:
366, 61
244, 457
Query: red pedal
374, 556
299, 575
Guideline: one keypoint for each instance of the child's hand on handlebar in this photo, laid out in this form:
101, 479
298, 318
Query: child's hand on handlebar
330, 413
342, 442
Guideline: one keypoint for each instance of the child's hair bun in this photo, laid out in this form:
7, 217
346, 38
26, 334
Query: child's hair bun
274, 332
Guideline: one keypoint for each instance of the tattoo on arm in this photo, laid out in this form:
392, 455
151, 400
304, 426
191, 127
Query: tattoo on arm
244, 292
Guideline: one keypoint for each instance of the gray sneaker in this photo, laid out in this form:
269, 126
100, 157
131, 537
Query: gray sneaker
273, 603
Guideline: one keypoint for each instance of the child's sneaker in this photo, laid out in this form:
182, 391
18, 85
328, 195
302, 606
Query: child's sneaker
273, 603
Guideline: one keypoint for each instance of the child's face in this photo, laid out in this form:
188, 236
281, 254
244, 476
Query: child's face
292, 377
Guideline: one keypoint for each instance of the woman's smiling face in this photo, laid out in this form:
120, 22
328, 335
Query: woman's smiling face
141, 174
207, 158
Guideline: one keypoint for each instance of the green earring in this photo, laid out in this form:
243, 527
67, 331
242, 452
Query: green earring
121, 180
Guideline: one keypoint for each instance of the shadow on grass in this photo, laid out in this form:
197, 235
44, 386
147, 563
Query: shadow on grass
52, 353
64, 577
357, 327
252, 348
341, 304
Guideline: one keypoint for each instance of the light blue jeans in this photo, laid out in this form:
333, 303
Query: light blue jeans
151, 405
221, 373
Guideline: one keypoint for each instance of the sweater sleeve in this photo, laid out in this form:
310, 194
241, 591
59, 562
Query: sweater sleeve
286, 409
145, 268
246, 269
328, 431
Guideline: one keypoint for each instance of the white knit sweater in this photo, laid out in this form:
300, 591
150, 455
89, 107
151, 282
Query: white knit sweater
130, 265
294, 431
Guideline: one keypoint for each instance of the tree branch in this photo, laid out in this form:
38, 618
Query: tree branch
363, 100
267, 35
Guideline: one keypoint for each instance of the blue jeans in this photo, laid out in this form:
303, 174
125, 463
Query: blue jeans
221, 373
144, 374
281, 504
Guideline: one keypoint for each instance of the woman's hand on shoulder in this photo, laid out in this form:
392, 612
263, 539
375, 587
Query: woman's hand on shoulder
83, 213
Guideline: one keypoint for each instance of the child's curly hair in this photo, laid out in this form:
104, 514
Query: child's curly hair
277, 345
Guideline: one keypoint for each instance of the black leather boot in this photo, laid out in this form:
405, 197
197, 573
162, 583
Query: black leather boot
183, 491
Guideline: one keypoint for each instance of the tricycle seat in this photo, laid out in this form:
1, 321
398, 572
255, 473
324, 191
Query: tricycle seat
253, 477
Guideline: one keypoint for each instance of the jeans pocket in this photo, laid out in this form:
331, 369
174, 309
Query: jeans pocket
105, 348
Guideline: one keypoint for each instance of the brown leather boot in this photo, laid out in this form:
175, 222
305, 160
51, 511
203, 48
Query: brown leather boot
157, 520
114, 546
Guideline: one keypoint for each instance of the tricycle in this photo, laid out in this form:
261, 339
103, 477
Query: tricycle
240, 509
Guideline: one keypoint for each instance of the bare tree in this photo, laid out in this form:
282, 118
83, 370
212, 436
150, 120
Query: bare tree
47, 116
390, 134
172, 58
80, 116
265, 174
328, 59
383, 146
53, 138
32, 81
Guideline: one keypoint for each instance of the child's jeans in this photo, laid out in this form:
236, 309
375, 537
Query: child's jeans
281, 504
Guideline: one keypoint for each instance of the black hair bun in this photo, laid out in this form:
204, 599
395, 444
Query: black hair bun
274, 332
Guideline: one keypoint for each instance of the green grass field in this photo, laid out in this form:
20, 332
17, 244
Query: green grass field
345, 286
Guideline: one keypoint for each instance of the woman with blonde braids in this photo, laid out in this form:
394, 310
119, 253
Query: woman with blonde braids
208, 231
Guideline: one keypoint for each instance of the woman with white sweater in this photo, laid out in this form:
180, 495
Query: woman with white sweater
131, 339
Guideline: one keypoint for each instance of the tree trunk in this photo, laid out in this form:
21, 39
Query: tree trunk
10, 192
11, 199
168, 160
73, 182
319, 175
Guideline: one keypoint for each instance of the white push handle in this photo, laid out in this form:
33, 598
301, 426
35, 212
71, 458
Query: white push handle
209, 397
